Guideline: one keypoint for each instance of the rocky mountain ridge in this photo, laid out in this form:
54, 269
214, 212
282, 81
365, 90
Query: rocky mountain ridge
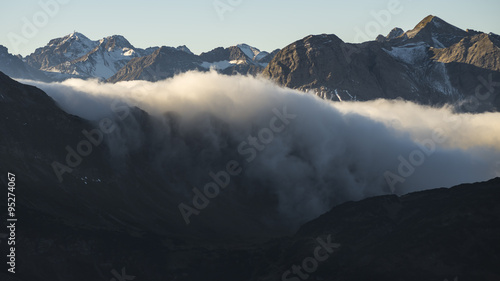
434, 63
76, 56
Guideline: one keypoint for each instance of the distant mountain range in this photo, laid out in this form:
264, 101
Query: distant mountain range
434, 63
76, 56
167, 61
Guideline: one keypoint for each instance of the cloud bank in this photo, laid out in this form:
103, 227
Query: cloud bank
330, 153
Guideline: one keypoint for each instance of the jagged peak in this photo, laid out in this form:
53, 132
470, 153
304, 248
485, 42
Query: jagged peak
114, 41
435, 32
428, 19
248, 50
116, 37
167, 49
434, 20
4, 49
243, 45
76, 35
321, 38
184, 48
434, 24
163, 48
472, 31
72, 37
395, 32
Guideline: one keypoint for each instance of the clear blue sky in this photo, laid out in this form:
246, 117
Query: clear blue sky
266, 25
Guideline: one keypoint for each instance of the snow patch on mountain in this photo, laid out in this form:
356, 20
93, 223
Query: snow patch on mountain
219, 65
249, 51
440, 80
79, 45
410, 53
252, 52
238, 62
128, 52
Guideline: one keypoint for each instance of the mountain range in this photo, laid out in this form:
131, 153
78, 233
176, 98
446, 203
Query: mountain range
434, 63
165, 62
118, 208
114, 58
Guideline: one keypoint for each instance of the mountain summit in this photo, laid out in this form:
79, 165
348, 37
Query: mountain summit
109, 56
75, 55
61, 50
435, 32
434, 63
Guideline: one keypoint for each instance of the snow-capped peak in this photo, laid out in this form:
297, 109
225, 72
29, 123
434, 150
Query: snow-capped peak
119, 40
115, 42
249, 51
72, 46
78, 35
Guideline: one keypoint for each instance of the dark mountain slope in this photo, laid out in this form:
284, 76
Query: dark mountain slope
105, 217
431, 235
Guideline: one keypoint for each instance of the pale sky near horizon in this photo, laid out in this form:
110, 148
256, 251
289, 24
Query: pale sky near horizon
197, 24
